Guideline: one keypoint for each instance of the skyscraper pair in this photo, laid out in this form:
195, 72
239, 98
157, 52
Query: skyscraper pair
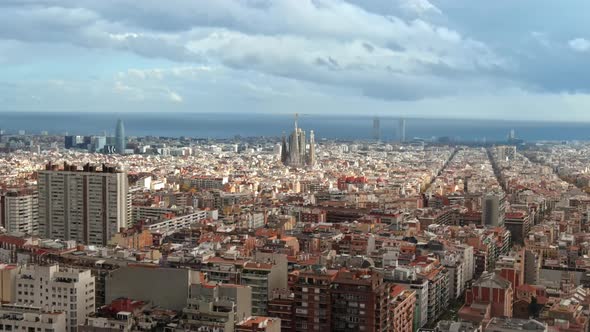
401, 131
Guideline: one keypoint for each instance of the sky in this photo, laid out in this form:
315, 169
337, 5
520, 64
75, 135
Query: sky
501, 59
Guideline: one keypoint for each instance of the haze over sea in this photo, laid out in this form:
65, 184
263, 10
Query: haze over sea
225, 125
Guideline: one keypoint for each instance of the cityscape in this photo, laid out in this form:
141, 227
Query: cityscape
293, 234
294, 166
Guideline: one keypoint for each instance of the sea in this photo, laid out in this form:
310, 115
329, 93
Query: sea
230, 125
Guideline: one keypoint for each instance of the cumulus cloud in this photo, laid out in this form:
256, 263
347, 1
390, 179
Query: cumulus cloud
321, 41
579, 44
376, 50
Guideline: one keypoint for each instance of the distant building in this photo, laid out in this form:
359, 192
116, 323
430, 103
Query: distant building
120, 140
376, 129
401, 131
294, 150
88, 206
19, 211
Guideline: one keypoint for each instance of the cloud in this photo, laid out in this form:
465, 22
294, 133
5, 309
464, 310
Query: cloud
181, 53
419, 7
175, 97
322, 41
579, 44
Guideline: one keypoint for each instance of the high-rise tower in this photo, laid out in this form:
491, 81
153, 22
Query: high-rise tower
376, 129
284, 149
88, 206
402, 130
120, 141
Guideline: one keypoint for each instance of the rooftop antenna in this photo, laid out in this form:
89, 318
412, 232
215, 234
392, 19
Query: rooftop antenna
296, 119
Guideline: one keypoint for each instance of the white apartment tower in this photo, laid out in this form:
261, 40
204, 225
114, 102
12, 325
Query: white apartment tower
19, 211
88, 205
55, 289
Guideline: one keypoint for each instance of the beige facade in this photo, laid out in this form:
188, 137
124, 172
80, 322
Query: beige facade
7, 283
54, 289
26, 318
86, 206
20, 212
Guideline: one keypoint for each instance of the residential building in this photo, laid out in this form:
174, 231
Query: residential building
217, 307
259, 324
360, 301
314, 313
403, 307
87, 206
14, 317
502, 324
265, 274
52, 288
19, 211
137, 282
493, 207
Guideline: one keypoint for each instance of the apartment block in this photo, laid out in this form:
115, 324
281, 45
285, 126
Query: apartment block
19, 211
31, 319
217, 307
56, 289
266, 274
88, 205
403, 306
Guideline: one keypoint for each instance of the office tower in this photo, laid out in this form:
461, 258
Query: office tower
376, 129
19, 211
88, 206
69, 142
120, 137
73, 142
97, 143
56, 289
402, 130
294, 149
493, 209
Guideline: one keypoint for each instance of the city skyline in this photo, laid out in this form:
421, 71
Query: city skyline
432, 173
409, 58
